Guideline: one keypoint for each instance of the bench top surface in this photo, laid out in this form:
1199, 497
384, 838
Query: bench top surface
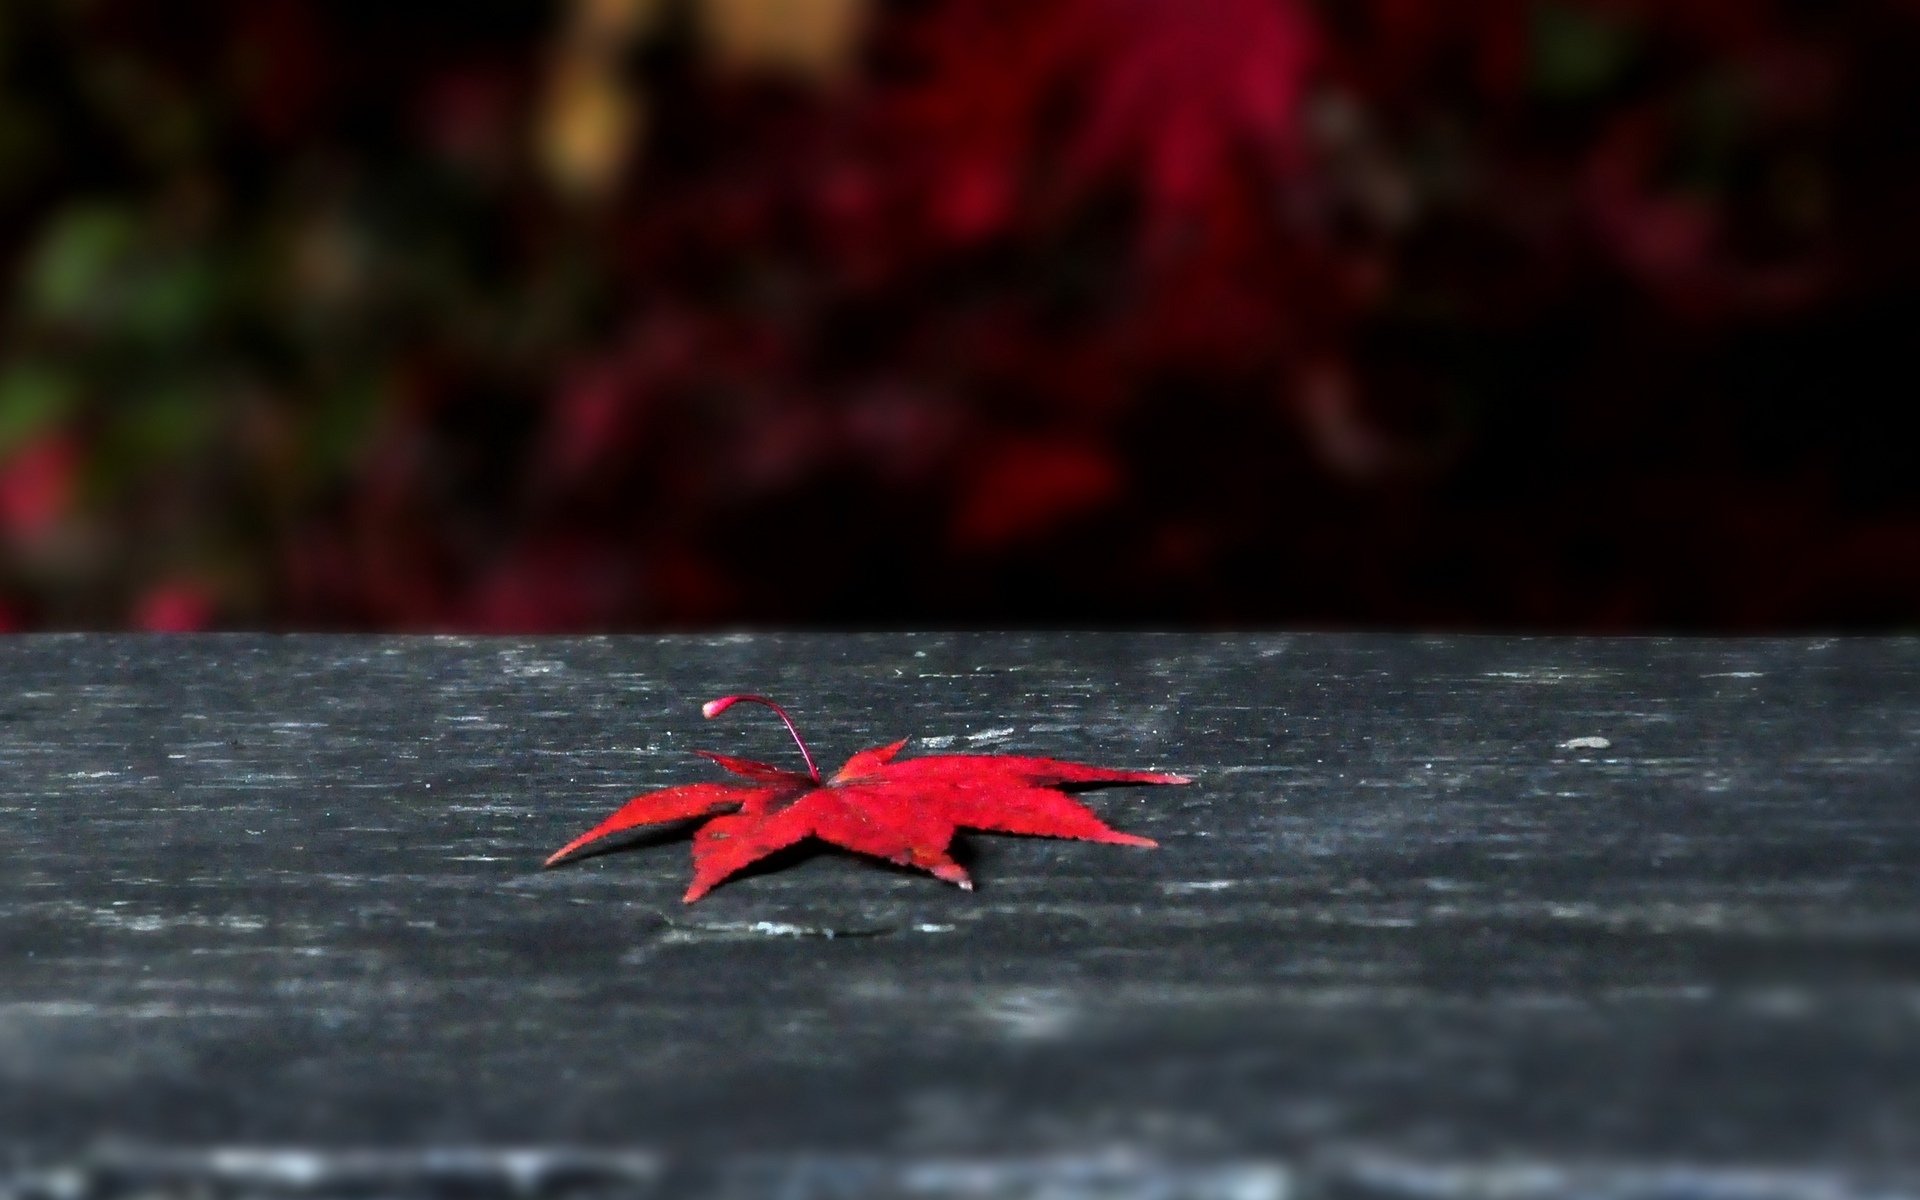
1431, 900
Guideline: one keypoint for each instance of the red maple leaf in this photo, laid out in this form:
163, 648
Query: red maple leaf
905, 812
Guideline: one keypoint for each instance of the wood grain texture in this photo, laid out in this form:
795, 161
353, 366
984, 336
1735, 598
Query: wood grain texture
1441, 916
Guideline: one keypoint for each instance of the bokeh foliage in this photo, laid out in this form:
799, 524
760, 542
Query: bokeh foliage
642, 313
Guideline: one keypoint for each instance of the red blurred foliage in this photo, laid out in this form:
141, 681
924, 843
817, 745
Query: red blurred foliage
1556, 313
1025, 489
36, 487
177, 607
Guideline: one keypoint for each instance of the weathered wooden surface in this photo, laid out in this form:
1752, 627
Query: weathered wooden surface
272, 922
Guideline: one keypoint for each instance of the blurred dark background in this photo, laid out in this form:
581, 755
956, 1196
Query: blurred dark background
635, 314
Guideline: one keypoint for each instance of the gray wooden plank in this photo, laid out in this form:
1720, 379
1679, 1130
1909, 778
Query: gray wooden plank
285, 892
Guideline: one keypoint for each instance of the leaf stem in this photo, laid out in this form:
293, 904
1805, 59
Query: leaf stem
714, 708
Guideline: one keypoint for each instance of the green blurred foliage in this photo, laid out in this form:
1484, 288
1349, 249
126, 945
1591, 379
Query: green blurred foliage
1577, 52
